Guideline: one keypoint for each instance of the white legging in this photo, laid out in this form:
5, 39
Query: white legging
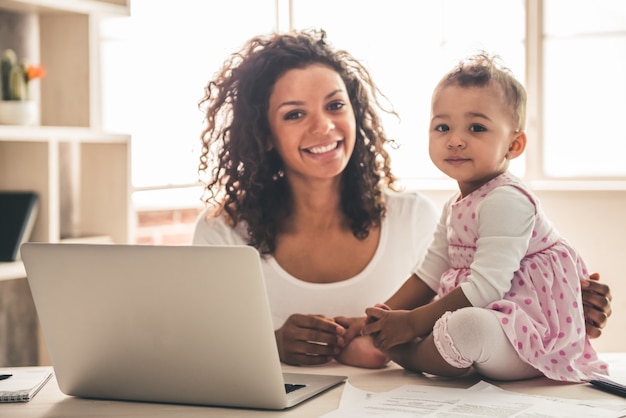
473, 337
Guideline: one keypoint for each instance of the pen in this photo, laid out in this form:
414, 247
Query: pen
5, 376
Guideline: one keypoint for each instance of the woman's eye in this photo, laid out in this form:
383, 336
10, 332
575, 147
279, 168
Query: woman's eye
442, 128
296, 114
477, 128
336, 105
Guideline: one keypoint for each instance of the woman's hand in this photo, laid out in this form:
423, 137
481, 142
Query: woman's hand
306, 340
597, 304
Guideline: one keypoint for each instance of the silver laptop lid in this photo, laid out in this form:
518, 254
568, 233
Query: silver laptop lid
180, 324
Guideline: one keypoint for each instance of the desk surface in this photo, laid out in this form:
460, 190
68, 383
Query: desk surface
50, 402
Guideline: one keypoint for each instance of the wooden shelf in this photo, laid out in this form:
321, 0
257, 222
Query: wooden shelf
12, 270
113, 7
82, 178
81, 174
58, 133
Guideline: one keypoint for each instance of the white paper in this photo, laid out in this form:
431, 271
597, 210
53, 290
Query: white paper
481, 400
617, 366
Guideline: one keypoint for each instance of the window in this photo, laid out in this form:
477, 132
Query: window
584, 88
155, 66
158, 61
407, 63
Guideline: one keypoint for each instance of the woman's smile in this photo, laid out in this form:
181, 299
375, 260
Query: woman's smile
322, 149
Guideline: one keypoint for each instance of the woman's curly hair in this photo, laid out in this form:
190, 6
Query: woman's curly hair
244, 174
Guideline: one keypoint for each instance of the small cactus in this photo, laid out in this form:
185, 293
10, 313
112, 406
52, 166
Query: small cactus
9, 60
15, 76
18, 89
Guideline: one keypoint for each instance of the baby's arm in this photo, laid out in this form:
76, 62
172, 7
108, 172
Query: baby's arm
391, 328
506, 219
420, 288
413, 293
360, 350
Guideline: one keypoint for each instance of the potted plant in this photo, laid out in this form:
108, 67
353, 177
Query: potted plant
16, 108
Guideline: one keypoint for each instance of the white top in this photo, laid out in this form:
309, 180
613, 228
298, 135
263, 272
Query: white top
406, 232
486, 282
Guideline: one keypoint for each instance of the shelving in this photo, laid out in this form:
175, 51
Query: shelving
36, 159
30, 159
82, 174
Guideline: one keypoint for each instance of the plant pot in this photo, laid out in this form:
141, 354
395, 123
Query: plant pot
19, 112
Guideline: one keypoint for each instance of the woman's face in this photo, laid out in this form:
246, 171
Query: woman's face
312, 122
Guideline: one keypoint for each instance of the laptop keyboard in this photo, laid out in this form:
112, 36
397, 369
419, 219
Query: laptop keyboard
290, 387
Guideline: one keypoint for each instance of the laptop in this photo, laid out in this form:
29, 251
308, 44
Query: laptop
171, 324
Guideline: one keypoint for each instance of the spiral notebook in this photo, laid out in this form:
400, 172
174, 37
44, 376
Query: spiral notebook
175, 324
22, 384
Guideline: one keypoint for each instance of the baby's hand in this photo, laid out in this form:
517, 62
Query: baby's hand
353, 326
371, 319
373, 315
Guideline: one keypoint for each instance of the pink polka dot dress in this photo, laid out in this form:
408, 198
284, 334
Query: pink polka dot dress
542, 313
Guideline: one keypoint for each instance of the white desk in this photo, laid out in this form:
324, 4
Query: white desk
50, 402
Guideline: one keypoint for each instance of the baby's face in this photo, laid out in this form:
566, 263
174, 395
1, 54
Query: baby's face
471, 134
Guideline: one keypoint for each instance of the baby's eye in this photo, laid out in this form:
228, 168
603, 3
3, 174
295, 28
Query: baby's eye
477, 128
293, 115
442, 128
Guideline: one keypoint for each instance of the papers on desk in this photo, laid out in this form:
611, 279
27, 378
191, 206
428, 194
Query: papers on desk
480, 400
22, 384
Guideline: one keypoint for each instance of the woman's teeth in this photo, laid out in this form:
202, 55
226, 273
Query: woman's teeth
322, 149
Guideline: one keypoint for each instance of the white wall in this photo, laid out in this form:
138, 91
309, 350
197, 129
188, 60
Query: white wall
595, 223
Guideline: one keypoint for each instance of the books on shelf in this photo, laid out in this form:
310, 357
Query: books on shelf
21, 384
18, 210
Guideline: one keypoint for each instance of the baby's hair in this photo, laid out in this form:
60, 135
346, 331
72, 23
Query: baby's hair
482, 69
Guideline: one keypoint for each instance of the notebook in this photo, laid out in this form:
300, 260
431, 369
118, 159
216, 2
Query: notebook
22, 384
172, 324
18, 210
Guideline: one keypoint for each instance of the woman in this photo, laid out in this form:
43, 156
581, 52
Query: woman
296, 166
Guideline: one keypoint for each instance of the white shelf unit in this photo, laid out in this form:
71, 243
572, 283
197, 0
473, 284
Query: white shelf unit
32, 159
64, 35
